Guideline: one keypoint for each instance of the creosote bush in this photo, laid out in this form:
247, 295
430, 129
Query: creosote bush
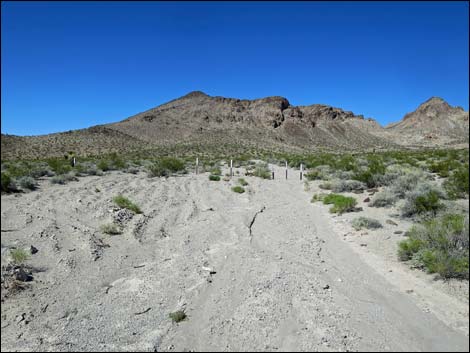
238, 189
365, 222
242, 182
178, 316
27, 182
111, 228
423, 201
213, 177
439, 245
124, 202
18, 256
383, 199
340, 203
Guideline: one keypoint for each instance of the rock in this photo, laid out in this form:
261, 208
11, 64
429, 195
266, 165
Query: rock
33, 250
389, 221
409, 291
22, 276
363, 244
367, 199
357, 191
326, 286
398, 232
358, 209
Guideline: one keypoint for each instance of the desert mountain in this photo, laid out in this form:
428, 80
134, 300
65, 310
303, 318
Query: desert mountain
433, 122
201, 122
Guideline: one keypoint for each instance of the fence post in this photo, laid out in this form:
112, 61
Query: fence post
286, 170
197, 165
231, 168
301, 170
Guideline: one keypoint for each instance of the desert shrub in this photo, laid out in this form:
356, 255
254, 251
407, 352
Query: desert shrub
346, 163
369, 176
214, 177
444, 167
18, 256
346, 185
321, 172
165, 166
364, 222
318, 197
111, 229
340, 203
383, 199
262, 171
63, 178
59, 166
103, 164
132, 170
425, 200
27, 182
86, 168
327, 185
402, 185
124, 202
178, 316
457, 185
117, 162
216, 170
156, 170
439, 245
238, 189
40, 170
8, 184
242, 182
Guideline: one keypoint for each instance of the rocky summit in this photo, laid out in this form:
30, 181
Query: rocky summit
198, 119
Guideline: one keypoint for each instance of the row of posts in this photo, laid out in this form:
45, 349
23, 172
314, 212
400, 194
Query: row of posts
231, 168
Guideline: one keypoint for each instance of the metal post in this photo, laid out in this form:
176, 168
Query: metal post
301, 170
231, 168
197, 165
286, 170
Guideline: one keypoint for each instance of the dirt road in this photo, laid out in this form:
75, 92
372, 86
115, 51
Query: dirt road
263, 270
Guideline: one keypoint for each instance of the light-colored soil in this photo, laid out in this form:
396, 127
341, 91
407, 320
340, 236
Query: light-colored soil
294, 282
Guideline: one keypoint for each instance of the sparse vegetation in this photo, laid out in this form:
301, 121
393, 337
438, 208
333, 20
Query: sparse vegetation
63, 178
422, 201
318, 197
18, 256
238, 189
440, 246
383, 199
365, 222
8, 184
27, 182
242, 182
340, 203
110, 228
124, 202
166, 166
213, 177
262, 171
457, 185
178, 316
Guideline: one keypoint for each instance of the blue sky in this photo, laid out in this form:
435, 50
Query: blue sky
77, 64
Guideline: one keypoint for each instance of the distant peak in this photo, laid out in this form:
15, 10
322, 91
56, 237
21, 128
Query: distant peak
195, 94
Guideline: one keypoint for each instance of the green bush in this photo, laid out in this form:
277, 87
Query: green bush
340, 203
457, 185
165, 166
214, 177
443, 168
440, 246
262, 171
364, 222
238, 189
111, 229
8, 184
216, 170
103, 164
178, 316
124, 202
422, 201
383, 199
27, 182
318, 197
59, 166
19, 256
242, 182
63, 178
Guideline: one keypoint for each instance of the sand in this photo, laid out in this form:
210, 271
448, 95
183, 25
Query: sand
293, 282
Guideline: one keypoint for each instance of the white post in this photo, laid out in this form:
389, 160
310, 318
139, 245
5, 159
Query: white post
231, 166
301, 170
197, 165
286, 170
74, 161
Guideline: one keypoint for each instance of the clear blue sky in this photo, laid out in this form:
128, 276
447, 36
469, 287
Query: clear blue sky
73, 65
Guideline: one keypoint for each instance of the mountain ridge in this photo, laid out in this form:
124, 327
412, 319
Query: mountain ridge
269, 122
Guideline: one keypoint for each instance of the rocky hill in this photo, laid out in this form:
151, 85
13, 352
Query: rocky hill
271, 123
434, 122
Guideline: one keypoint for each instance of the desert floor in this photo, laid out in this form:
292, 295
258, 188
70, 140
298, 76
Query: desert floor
265, 270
